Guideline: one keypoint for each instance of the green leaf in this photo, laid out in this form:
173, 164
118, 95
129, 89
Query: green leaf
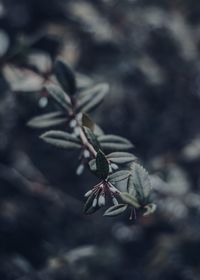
47, 120
141, 181
119, 176
115, 210
91, 98
121, 157
87, 122
88, 203
91, 137
129, 199
61, 135
92, 165
61, 143
97, 130
65, 77
114, 142
88, 208
83, 81
149, 209
59, 96
61, 139
130, 186
102, 165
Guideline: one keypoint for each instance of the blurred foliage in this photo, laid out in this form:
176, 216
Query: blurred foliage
149, 52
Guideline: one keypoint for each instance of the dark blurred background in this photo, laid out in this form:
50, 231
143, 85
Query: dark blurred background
149, 53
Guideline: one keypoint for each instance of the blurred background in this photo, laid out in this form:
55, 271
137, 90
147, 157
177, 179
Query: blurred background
149, 53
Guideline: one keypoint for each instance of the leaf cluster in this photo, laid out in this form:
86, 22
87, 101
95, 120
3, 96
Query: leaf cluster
123, 182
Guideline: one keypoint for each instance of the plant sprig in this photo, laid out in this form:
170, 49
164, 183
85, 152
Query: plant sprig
123, 183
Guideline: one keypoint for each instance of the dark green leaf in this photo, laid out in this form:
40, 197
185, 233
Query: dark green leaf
91, 98
47, 120
59, 96
61, 143
65, 77
121, 157
115, 210
119, 176
88, 208
102, 165
91, 137
87, 122
131, 200
93, 166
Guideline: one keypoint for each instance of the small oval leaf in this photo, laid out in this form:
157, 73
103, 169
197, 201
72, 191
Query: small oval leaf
92, 165
88, 207
115, 210
149, 209
121, 157
91, 137
47, 120
59, 96
102, 165
127, 198
87, 122
114, 142
91, 98
119, 176
65, 77
61, 135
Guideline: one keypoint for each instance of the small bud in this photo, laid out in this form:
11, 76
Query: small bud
94, 203
79, 117
88, 193
86, 154
73, 123
43, 101
80, 169
76, 131
114, 200
101, 201
114, 166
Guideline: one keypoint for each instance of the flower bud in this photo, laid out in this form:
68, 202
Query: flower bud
79, 117
114, 200
76, 131
94, 203
101, 201
114, 166
43, 101
88, 193
86, 154
73, 123
80, 169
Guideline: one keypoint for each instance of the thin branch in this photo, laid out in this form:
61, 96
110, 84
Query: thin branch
86, 142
